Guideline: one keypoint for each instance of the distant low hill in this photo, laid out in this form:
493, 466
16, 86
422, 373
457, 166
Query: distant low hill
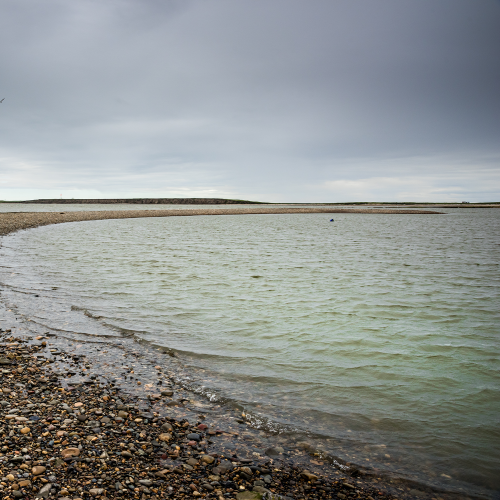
147, 201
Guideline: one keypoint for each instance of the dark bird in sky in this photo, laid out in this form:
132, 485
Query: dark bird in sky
2, 100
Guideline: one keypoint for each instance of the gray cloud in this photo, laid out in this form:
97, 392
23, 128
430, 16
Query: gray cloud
280, 101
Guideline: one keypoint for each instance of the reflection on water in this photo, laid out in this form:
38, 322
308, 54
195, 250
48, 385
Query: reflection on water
376, 334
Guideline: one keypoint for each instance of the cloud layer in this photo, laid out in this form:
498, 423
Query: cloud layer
277, 101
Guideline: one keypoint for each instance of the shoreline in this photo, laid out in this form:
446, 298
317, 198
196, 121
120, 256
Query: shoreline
142, 201
225, 201
362, 483
14, 221
89, 440
177, 466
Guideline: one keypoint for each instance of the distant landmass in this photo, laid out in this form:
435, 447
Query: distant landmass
224, 201
146, 201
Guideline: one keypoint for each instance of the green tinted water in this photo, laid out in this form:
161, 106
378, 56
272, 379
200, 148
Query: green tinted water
376, 334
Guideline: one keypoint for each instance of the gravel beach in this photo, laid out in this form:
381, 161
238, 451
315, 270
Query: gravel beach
70, 440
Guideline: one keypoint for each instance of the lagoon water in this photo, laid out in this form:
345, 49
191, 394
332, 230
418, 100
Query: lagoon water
377, 336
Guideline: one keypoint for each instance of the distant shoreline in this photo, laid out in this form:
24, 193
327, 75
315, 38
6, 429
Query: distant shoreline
224, 201
141, 201
15, 221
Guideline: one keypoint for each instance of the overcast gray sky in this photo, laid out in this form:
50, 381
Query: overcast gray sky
271, 100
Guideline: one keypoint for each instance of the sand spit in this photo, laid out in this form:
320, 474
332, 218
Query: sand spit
14, 221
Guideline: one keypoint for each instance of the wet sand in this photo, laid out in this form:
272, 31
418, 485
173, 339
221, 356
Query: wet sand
14, 221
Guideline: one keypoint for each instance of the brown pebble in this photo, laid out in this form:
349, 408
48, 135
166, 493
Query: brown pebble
307, 475
38, 469
70, 452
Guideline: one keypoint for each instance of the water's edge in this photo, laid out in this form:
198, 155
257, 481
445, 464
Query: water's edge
190, 381
247, 436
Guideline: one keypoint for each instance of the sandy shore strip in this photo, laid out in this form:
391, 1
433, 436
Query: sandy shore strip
14, 221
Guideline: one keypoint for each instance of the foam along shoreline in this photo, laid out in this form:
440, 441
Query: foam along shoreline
14, 221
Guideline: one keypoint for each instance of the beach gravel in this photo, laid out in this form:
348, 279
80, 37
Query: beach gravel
106, 456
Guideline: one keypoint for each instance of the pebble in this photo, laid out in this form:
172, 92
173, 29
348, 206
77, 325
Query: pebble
207, 459
165, 437
70, 452
249, 495
307, 475
44, 491
39, 469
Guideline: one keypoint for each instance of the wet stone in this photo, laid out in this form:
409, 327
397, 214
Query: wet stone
260, 489
249, 495
207, 459
307, 475
44, 491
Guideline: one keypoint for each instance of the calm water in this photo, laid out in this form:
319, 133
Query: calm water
375, 335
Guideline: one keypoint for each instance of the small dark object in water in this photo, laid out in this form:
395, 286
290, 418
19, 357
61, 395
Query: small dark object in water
331, 220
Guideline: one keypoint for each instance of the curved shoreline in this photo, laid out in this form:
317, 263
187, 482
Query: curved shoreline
14, 221
367, 488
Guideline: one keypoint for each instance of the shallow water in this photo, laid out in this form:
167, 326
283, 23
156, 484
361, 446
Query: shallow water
376, 335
